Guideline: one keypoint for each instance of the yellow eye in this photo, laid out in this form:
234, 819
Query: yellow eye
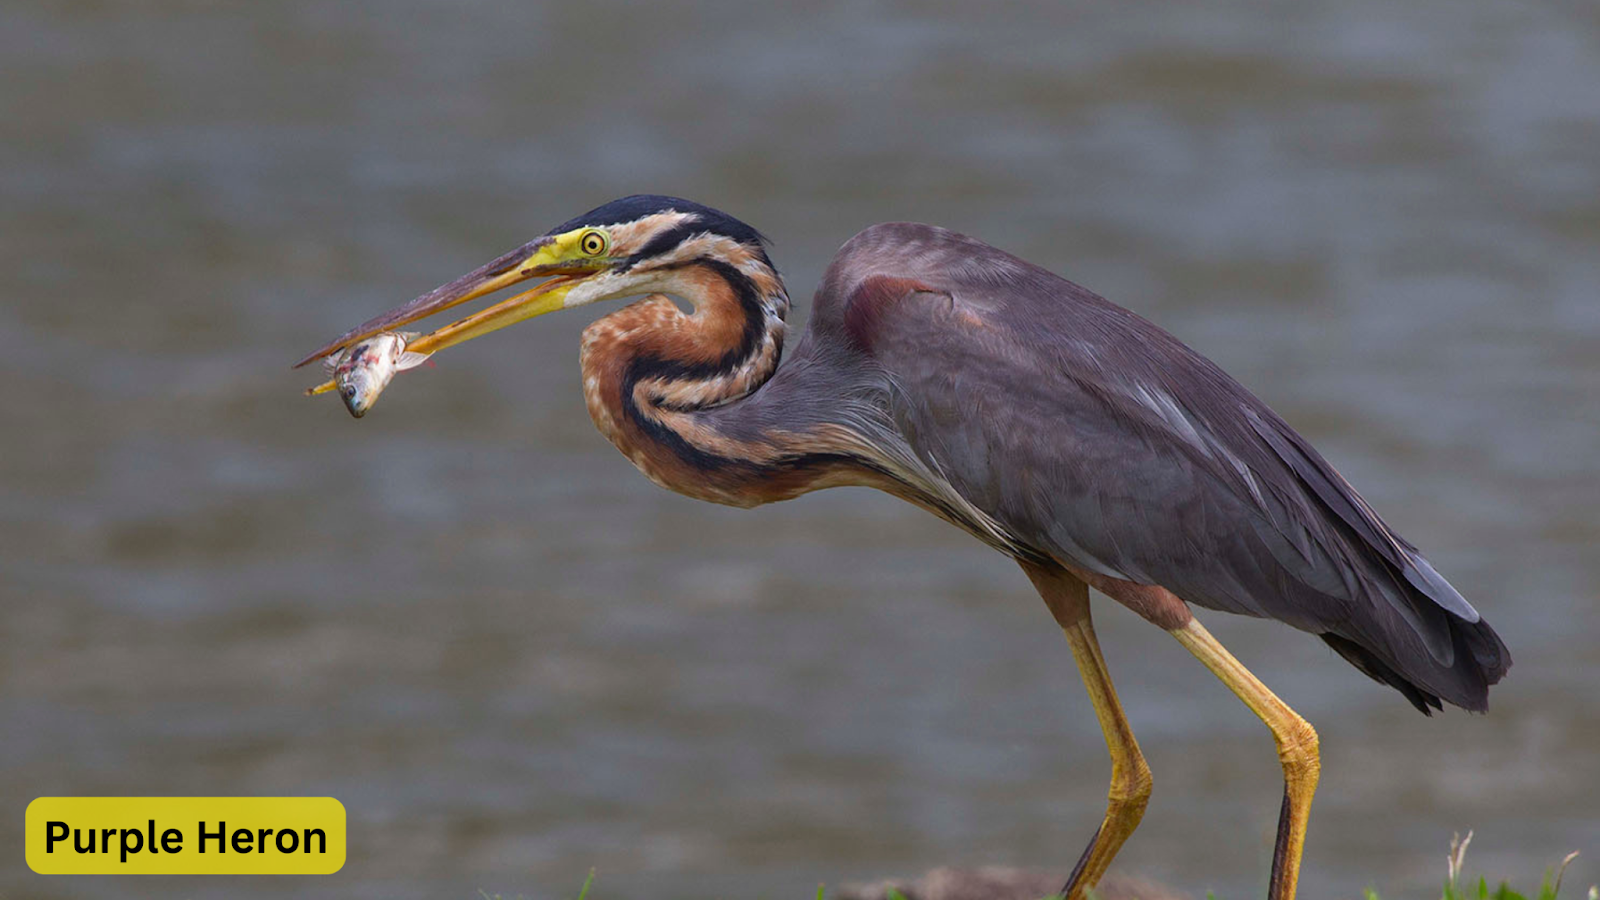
593, 243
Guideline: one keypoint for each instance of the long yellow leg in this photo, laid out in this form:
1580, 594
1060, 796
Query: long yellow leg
1068, 599
1297, 751
1130, 775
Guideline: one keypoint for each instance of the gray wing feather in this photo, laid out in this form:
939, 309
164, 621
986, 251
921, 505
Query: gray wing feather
1100, 439
1343, 501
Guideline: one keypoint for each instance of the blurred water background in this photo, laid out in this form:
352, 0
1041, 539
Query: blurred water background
513, 658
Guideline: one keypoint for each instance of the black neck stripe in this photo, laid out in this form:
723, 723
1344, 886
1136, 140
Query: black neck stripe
752, 333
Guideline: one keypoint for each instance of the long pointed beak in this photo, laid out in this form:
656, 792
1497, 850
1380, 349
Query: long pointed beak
528, 261
536, 301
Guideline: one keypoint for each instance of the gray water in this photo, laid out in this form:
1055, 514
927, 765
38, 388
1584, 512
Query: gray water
514, 659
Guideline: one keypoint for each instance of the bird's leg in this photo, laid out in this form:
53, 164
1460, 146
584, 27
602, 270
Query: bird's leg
1297, 750
1068, 600
1130, 775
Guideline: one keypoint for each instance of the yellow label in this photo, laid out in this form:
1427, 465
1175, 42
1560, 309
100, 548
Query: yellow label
185, 835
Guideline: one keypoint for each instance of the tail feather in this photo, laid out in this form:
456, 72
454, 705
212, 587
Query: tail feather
1379, 671
1409, 628
1480, 660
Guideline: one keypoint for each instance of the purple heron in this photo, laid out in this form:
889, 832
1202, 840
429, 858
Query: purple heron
1072, 435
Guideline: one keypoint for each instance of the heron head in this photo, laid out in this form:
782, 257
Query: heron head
626, 247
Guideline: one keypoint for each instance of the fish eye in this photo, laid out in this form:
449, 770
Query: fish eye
593, 243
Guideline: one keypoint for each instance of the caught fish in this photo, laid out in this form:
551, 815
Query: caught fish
364, 369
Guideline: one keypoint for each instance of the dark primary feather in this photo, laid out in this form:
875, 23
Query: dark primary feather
1104, 442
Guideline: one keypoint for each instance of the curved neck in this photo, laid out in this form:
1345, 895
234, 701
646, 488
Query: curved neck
699, 404
729, 346
673, 391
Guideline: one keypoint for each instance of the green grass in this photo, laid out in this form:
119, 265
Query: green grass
1456, 886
